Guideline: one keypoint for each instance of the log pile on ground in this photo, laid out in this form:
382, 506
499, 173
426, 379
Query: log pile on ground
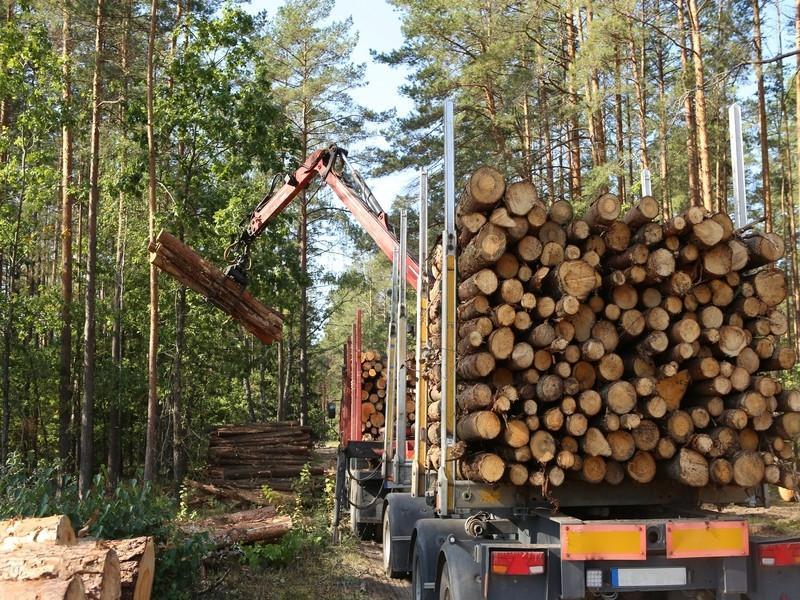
373, 395
42, 559
245, 527
258, 454
613, 346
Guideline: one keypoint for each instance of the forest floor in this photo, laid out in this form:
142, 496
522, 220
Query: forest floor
317, 569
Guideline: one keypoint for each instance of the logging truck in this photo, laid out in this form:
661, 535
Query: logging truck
576, 446
587, 390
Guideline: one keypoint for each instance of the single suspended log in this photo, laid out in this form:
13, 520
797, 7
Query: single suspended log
483, 467
689, 468
174, 257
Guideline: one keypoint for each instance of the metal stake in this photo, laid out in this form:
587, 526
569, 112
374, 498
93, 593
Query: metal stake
737, 162
446, 474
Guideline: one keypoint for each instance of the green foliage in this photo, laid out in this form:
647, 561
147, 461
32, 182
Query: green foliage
310, 517
130, 509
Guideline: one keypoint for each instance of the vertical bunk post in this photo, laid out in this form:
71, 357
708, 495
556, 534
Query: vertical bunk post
447, 468
421, 330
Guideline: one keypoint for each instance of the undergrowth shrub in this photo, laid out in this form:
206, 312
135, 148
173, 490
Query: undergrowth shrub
131, 509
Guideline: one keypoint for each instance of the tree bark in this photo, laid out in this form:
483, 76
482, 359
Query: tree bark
65, 348
89, 340
152, 353
700, 106
688, 112
176, 395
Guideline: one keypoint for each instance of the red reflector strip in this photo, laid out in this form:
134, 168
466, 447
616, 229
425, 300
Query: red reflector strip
514, 562
779, 555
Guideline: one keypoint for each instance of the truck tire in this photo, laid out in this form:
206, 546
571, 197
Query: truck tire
386, 543
418, 591
445, 590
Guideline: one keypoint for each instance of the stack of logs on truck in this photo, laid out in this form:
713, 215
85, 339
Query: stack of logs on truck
613, 345
373, 394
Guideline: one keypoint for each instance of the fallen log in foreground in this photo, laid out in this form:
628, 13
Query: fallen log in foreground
245, 527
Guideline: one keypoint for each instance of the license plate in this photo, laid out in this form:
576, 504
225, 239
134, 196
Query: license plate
649, 577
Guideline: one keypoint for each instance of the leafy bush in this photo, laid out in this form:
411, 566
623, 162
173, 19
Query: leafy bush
310, 521
131, 509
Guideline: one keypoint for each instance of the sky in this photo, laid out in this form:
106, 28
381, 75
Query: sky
378, 28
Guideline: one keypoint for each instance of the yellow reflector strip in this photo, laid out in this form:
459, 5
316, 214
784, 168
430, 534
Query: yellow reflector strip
603, 542
707, 539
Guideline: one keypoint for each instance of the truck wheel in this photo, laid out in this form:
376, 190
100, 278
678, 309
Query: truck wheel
418, 591
445, 591
388, 568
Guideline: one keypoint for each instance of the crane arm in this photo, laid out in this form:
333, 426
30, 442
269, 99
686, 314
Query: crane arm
361, 204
